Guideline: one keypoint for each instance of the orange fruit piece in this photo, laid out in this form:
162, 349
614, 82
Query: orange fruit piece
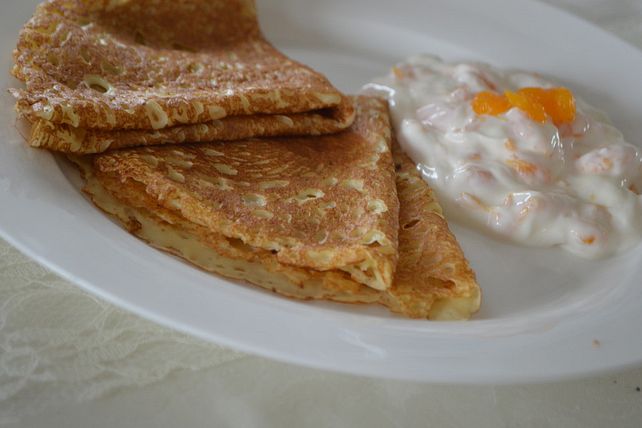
562, 106
556, 104
528, 105
490, 103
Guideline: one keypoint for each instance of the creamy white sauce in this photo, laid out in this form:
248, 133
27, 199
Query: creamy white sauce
533, 183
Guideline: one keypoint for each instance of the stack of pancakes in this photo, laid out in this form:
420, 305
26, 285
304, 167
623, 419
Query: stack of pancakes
205, 141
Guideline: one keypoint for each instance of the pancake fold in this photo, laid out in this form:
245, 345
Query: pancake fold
343, 217
112, 74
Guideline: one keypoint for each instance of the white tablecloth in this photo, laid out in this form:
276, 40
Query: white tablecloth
70, 360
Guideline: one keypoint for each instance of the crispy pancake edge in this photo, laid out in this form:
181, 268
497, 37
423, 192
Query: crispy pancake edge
67, 139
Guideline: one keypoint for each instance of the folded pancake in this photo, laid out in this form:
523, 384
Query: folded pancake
323, 203
91, 67
66, 138
433, 278
299, 243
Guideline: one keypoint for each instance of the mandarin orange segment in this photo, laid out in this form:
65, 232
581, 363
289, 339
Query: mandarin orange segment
563, 106
528, 105
490, 103
557, 104
538, 96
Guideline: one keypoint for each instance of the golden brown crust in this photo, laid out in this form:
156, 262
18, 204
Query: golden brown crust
324, 203
431, 262
127, 65
433, 279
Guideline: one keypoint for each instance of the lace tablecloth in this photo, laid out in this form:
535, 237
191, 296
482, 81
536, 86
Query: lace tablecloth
69, 359
59, 344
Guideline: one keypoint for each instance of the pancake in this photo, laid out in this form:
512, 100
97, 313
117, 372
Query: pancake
147, 65
322, 203
67, 139
432, 280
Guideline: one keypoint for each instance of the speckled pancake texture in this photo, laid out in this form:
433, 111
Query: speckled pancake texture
324, 203
155, 71
313, 218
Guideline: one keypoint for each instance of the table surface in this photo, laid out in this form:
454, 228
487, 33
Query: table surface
70, 360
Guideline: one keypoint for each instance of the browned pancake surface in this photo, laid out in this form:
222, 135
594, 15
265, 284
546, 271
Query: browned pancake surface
66, 138
325, 203
433, 279
145, 64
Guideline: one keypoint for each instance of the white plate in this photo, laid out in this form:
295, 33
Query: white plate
546, 314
